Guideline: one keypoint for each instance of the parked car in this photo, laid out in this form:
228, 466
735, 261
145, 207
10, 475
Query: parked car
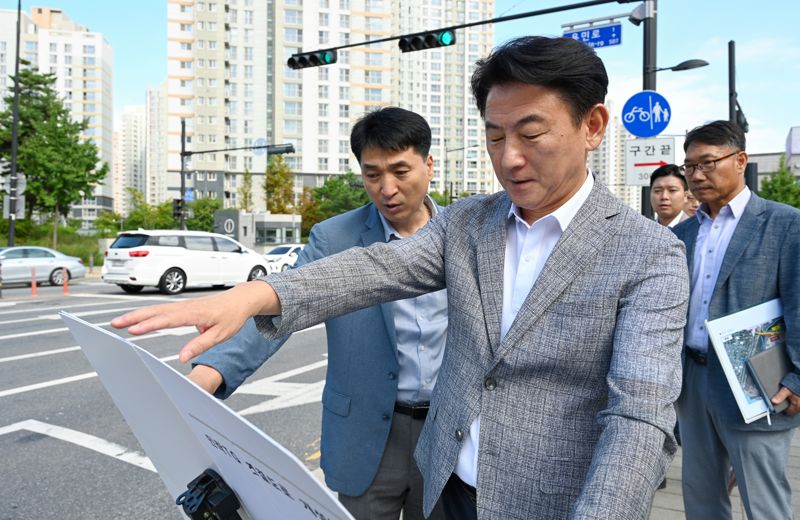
283, 257
18, 264
174, 260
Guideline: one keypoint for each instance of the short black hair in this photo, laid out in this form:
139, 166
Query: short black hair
716, 133
568, 66
391, 129
666, 171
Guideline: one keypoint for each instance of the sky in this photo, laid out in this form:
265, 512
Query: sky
765, 32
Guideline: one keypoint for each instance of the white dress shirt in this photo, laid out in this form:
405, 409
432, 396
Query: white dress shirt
527, 249
712, 242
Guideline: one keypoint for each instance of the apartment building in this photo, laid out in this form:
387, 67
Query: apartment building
216, 86
130, 157
82, 61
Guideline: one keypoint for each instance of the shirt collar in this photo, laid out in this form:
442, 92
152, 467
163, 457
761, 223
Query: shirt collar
389, 231
567, 211
736, 206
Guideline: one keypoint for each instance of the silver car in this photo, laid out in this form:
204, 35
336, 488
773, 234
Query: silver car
18, 264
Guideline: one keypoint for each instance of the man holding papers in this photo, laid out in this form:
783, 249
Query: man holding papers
742, 251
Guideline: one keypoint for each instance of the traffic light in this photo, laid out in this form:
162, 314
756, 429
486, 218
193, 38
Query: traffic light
303, 60
177, 208
429, 40
5, 178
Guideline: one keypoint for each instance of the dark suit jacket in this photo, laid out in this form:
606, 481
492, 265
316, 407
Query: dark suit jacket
361, 382
762, 262
576, 401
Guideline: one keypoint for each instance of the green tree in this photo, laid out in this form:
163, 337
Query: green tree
107, 224
340, 193
143, 215
279, 186
246, 192
781, 186
60, 167
440, 198
202, 211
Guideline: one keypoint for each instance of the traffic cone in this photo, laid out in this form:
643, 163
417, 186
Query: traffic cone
33, 282
66, 280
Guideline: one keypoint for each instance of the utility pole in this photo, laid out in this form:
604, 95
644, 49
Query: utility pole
12, 192
183, 175
649, 77
736, 115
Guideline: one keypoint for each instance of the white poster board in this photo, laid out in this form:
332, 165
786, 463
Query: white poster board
184, 430
738, 336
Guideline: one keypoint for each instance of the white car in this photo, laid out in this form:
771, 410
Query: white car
283, 257
17, 264
174, 260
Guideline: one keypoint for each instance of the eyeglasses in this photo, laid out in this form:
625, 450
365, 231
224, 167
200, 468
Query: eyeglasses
704, 166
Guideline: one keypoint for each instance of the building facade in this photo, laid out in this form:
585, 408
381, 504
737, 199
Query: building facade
82, 62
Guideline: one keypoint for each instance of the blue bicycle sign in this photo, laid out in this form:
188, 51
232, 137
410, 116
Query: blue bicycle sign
646, 114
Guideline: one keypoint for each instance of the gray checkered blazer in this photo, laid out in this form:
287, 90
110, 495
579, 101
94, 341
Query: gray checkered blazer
576, 401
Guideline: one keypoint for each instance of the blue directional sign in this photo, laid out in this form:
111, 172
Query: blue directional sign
260, 142
646, 114
598, 36
188, 196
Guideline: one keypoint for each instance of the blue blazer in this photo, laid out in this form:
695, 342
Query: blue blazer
361, 382
762, 262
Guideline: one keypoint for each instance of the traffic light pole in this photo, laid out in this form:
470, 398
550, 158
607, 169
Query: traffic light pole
183, 174
649, 78
12, 195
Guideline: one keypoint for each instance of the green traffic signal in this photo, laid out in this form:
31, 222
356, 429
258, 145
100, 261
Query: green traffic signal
447, 38
428, 40
311, 59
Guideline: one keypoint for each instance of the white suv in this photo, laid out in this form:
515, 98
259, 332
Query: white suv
174, 260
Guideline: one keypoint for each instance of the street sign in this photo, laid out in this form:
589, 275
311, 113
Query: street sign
646, 114
642, 156
260, 142
595, 37
188, 196
20, 213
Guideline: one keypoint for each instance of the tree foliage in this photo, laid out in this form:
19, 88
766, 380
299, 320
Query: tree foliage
145, 216
246, 192
279, 186
781, 186
59, 166
202, 211
339, 194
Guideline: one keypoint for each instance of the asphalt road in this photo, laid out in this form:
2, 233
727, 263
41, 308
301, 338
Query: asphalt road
56, 418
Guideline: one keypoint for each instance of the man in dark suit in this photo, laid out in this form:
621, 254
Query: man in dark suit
382, 358
742, 251
565, 310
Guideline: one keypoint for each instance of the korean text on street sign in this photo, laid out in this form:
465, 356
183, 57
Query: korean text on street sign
646, 114
642, 156
594, 37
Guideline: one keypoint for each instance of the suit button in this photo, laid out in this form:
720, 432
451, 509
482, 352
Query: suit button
459, 435
489, 383
392, 375
385, 417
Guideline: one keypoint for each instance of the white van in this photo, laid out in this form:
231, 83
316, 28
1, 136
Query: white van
174, 260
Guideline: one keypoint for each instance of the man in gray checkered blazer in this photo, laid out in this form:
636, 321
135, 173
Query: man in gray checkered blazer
555, 396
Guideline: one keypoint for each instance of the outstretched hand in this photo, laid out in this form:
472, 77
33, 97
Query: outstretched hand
217, 318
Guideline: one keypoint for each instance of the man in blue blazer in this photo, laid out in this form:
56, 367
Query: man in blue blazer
742, 251
382, 357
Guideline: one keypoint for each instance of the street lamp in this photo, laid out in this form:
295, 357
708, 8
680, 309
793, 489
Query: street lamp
646, 12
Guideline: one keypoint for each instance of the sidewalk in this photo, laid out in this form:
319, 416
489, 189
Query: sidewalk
668, 503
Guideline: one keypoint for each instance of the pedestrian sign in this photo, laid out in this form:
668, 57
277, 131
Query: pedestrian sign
642, 156
646, 114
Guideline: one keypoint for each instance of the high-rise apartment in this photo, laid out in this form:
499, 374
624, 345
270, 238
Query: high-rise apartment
314, 108
216, 85
82, 61
130, 157
156, 190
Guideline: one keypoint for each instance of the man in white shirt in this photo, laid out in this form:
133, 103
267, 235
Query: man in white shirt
742, 251
555, 395
668, 191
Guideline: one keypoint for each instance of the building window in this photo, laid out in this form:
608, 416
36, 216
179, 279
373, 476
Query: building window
322, 163
344, 111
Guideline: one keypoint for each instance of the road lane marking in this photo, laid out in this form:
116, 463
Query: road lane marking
180, 331
128, 297
57, 317
84, 440
54, 308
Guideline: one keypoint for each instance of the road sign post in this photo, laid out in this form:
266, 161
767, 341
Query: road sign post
642, 156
